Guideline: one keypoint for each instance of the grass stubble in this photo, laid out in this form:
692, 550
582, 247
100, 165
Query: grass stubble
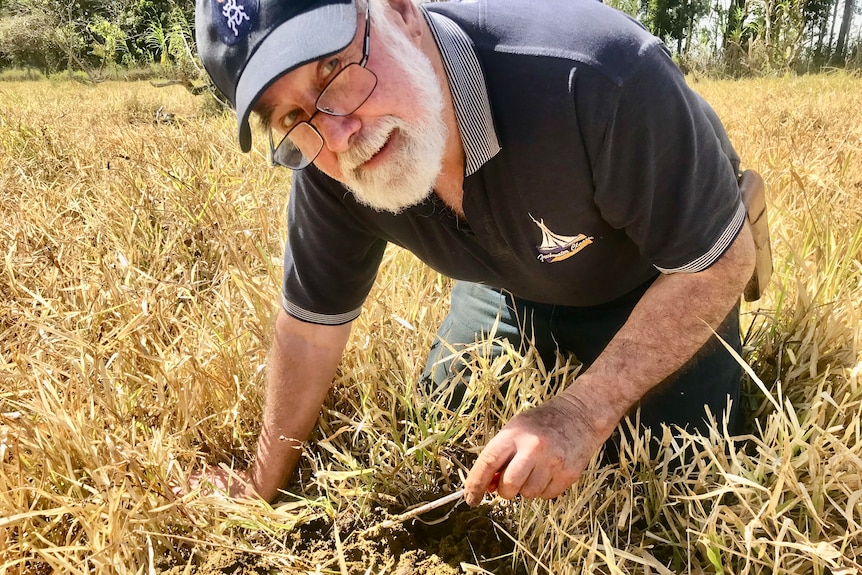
139, 277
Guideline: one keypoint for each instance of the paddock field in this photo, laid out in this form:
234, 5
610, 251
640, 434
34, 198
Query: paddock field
139, 276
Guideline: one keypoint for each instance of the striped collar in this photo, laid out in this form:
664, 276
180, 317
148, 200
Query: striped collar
469, 93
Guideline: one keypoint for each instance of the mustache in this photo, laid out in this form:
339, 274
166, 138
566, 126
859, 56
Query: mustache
368, 143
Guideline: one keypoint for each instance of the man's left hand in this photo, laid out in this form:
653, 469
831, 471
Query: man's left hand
540, 452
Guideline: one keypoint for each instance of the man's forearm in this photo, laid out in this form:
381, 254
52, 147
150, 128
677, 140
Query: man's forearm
668, 326
301, 366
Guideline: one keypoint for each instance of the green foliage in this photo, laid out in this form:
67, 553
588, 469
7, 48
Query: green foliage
157, 41
108, 40
673, 20
96, 35
180, 43
769, 38
630, 7
29, 41
739, 37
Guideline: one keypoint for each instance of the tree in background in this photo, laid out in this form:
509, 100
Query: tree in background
91, 35
818, 18
781, 26
108, 42
673, 20
840, 53
170, 40
744, 37
30, 41
735, 37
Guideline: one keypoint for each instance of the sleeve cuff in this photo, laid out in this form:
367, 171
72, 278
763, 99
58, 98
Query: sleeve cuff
717, 249
318, 318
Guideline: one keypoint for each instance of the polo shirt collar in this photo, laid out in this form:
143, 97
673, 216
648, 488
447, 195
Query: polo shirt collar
469, 92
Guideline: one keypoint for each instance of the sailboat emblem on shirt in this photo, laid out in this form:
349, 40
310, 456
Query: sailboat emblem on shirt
557, 247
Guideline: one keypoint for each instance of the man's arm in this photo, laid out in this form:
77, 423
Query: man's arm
301, 365
544, 450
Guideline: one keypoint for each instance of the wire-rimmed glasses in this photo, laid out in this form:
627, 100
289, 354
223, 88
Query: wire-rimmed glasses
344, 94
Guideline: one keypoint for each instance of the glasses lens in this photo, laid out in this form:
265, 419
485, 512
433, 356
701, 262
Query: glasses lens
299, 147
347, 91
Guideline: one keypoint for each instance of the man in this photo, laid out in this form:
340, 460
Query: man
547, 153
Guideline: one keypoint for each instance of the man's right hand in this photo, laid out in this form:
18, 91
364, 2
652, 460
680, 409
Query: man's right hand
221, 480
300, 368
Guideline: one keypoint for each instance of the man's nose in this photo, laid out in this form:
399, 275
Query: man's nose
337, 130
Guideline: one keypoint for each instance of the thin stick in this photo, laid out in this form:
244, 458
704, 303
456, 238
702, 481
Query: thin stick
342, 563
413, 513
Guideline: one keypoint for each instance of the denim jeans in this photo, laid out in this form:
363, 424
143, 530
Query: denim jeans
708, 379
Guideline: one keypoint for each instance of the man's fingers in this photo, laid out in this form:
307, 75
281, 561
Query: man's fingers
514, 477
536, 483
558, 484
192, 483
493, 458
220, 480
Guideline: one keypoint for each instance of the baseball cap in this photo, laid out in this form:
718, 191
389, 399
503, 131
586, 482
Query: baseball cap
246, 45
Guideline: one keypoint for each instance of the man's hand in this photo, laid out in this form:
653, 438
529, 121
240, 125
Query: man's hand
540, 452
234, 484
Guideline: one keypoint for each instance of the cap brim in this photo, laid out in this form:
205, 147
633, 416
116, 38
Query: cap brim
323, 29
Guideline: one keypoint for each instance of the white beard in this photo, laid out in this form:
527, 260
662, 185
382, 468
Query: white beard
406, 177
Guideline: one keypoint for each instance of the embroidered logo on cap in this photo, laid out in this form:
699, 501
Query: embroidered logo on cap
234, 19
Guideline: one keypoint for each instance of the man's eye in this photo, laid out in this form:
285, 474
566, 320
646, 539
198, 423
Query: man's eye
330, 66
289, 120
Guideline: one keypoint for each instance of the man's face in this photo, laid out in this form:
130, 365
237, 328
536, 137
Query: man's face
390, 151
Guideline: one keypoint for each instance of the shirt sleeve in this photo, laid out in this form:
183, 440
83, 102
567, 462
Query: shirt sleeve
330, 258
664, 171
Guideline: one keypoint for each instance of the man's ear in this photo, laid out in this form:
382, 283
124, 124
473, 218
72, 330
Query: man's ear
410, 16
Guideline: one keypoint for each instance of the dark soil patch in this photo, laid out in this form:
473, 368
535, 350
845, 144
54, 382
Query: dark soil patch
466, 536
229, 562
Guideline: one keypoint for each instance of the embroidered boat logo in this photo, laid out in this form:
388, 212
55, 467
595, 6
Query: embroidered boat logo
556, 247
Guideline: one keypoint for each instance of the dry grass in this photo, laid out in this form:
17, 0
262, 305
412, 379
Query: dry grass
140, 270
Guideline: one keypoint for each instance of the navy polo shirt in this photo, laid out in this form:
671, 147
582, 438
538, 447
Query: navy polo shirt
591, 167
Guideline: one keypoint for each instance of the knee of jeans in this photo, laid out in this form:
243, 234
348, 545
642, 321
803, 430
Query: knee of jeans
446, 360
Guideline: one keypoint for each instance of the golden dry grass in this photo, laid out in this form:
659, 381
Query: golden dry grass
140, 271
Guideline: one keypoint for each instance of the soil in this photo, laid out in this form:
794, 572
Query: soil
414, 548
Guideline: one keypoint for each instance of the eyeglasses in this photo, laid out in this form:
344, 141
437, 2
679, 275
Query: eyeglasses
344, 94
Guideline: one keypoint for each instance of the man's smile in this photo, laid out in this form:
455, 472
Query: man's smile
384, 152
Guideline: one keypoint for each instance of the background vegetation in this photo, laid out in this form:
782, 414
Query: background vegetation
106, 38
139, 273
754, 37
101, 38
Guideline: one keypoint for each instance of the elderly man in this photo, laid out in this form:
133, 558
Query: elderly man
548, 154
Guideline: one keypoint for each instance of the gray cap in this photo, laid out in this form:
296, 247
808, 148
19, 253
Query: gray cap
246, 45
